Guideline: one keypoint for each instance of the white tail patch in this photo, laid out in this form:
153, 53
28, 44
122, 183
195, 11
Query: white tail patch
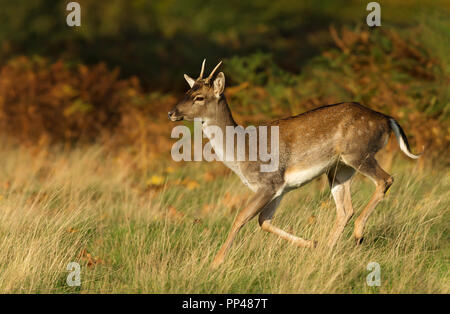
401, 139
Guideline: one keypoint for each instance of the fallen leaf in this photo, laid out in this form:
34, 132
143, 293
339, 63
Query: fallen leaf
207, 208
191, 185
173, 213
155, 180
89, 259
324, 204
7, 185
208, 177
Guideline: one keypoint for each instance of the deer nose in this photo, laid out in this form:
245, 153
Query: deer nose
173, 115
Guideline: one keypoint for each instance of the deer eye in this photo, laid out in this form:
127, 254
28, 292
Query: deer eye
199, 98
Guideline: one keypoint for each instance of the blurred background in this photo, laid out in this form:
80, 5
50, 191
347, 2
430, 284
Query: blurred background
113, 79
87, 176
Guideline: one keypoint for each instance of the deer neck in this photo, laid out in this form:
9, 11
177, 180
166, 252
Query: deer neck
222, 118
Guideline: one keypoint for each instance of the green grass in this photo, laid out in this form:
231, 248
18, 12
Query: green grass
58, 207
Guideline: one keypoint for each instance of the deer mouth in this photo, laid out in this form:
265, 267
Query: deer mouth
173, 117
176, 118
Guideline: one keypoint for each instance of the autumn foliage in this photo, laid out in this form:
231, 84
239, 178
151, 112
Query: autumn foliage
57, 101
43, 99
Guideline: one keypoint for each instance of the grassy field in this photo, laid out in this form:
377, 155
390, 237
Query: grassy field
134, 231
86, 173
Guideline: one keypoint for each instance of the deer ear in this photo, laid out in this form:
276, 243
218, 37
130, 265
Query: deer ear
219, 84
189, 80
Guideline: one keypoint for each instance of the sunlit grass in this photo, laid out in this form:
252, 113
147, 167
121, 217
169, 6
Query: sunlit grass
96, 209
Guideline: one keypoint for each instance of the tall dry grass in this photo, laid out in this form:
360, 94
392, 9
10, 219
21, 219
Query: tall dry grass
156, 231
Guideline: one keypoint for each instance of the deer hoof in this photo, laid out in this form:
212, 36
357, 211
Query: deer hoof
307, 243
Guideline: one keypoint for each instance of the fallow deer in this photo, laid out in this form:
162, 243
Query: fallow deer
337, 140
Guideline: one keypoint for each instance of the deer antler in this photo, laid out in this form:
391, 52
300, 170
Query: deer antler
212, 72
202, 70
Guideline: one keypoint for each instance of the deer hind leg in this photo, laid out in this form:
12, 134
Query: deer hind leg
370, 168
256, 204
339, 179
265, 222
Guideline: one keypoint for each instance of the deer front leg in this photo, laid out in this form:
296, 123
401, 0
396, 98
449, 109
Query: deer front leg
265, 223
256, 204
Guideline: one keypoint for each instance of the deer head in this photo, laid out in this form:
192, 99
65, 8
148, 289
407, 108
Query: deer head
203, 97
